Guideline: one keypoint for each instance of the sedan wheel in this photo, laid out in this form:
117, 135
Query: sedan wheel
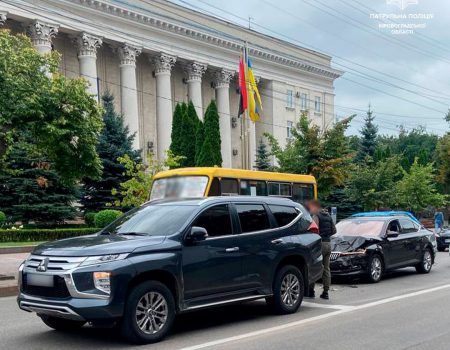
427, 262
375, 269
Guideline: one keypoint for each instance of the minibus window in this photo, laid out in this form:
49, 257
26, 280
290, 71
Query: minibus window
303, 192
179, 187
229, 187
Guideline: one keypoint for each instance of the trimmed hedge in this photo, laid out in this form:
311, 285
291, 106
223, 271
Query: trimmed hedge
105, 217
35, 235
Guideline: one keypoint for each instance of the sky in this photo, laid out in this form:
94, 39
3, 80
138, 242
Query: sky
405, 77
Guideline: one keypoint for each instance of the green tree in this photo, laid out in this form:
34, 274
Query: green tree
135, 191
326, 155
188, 142
199, 139
416, 191
372, 184
177, 129
262, 157
368, 142
443, 162
210, 154
115, 141
62, 118
31, 189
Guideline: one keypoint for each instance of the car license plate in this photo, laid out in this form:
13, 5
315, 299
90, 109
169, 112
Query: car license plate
447, 241
39, 280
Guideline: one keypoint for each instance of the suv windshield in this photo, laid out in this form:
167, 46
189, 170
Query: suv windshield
365, 228
151, 220
179, 187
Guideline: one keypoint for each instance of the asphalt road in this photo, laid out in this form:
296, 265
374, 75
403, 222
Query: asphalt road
404, 311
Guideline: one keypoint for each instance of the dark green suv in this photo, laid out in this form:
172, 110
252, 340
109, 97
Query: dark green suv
168, 257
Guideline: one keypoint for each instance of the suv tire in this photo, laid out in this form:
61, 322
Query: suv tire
427, 262
61, 324
149, 313
288, 290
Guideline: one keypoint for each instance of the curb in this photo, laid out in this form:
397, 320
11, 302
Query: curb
15, 250
9, 291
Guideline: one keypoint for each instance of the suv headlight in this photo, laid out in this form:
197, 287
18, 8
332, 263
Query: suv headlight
100, 259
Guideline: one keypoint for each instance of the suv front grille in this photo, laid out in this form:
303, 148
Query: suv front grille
59, 290
55, 263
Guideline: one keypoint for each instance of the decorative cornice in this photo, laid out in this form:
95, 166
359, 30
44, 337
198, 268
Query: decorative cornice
128, 54
87, 44
214, 39
195, 71
42, 33
163, 63
222, 78
3, 18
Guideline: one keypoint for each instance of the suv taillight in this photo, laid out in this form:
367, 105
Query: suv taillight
313, 228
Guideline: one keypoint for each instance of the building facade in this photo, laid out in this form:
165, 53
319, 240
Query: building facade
152, 54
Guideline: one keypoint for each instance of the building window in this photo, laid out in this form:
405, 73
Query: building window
290, 99
304, 101
317, 104
289, 129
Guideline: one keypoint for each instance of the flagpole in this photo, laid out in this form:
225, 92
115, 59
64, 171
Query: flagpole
247, 114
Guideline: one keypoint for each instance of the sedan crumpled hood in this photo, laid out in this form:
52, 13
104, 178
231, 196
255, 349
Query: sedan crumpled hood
351, 243
96, 245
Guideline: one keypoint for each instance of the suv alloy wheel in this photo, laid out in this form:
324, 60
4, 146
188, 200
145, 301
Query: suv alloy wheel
427, 262
149, 313
288, 290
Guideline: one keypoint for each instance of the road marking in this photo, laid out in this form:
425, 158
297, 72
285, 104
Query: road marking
314, 319
327, 306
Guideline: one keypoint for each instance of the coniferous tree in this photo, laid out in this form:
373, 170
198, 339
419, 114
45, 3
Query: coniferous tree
31, 189
199, 139
210, 154
115, 141
262, 157
177, 128
188, 143
368, 144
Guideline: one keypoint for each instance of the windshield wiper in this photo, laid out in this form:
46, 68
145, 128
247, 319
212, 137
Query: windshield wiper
132, 234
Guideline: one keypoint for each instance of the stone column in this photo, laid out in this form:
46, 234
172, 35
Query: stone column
3, 18
195, 71
87, 46
128, 89
163, 67
222, 80
41, 35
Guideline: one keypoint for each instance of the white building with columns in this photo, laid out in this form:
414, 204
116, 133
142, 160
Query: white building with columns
152, 54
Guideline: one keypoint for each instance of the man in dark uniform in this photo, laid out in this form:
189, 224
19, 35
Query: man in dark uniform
326, 229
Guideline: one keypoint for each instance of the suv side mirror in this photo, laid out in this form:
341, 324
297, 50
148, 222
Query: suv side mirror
197, 234
391, 234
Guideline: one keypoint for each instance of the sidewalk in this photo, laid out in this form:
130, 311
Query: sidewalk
9, 265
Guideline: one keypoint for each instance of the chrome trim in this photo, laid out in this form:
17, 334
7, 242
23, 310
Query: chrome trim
334, 256
51, 310
253, 297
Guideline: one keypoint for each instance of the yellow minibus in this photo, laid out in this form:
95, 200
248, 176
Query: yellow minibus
214, 181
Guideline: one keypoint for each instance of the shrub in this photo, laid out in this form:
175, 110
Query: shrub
105, 217
89, 219
34, 235
2, 218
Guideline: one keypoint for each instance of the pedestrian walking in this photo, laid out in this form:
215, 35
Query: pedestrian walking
438, 221
326, 229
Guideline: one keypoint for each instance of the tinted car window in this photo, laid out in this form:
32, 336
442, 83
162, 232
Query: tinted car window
283, 215
253, 217
152, 220
214, 190
215, 220
407, 226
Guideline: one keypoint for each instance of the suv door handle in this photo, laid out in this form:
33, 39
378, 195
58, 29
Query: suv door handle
277, 241
230, 250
